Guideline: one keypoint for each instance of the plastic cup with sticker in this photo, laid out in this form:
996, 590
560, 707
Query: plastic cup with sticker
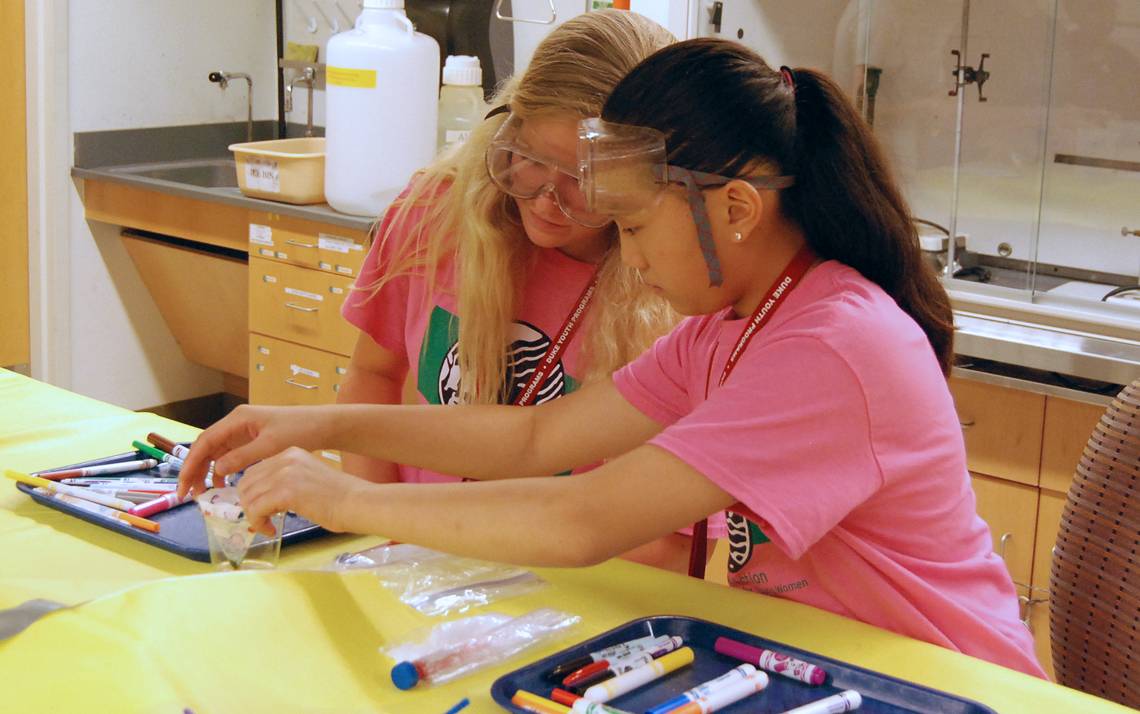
232, 545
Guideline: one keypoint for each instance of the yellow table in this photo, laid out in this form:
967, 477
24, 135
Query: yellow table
155, 632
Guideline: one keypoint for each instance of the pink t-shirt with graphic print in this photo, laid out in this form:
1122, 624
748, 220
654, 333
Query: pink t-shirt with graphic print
402, 317
837, 434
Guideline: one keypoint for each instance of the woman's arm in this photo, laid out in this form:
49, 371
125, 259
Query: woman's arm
631, 500
375, 376
481, 442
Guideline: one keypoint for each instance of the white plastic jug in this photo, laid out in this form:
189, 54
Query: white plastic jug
382, 80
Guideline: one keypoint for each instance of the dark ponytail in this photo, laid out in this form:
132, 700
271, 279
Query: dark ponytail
723, 110
851, 210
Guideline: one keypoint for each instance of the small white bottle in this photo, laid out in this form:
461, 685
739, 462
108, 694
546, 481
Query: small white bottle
461, 105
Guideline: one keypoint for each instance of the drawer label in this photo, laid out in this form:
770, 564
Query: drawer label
344, 269
336, 243
304, 294
260, 235
298, 369
262, 175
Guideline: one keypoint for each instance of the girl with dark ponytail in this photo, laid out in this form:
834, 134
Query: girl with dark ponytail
805, 397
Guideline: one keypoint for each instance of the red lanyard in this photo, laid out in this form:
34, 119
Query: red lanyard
546, 364
791, 277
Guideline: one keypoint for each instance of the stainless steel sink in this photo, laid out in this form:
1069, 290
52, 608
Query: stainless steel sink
206, 173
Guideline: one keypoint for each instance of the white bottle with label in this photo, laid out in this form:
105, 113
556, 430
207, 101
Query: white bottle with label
461, 105
382, 79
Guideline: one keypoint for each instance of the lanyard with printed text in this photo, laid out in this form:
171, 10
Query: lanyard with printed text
554, 351
791, 277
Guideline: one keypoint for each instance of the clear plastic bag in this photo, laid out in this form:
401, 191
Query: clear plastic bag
453, 649
437, 583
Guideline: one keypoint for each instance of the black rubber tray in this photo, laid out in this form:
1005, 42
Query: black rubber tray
881, 694
182, 529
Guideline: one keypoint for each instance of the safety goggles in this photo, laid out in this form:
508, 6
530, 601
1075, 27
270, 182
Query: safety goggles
522, 171
623, 169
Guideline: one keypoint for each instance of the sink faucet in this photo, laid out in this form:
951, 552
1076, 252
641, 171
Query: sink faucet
222, 79
308, 76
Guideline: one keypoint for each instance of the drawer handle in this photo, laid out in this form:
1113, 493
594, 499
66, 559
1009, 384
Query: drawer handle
965, 424
1005, 538
298, 384
300, 308
299, 244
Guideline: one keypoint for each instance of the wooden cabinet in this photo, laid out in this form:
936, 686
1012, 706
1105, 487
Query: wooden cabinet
1002, 429
1022, 447
300, 273
202, 297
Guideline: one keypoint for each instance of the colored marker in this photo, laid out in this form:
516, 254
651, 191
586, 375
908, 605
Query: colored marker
73, 491
169, 446
725, 695
102, 470
459, 706
125, 484
644, 674
539, 705
175, 462
619, 650
585, 706
733, 676
593, 673
846, 701
564, 697
160, 504
134, 497
776, 662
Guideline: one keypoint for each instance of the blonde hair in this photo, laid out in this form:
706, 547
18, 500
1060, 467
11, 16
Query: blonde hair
572, 72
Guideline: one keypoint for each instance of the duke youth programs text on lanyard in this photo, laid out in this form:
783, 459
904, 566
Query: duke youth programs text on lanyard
529, 393
789, 279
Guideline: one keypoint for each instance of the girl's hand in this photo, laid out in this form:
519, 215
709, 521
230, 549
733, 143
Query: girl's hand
296, 480
249, 434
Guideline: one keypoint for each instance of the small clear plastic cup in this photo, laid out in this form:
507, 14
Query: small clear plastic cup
232, 545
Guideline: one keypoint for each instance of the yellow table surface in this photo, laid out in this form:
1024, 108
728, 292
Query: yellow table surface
155, 632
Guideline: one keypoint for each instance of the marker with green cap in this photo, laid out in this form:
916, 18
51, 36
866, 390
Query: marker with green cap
175, 462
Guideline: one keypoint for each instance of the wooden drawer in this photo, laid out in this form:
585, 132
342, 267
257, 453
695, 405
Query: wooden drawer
284, 373
299, 305
1010, 509
296, 241
202, 297
1052, 504
1002, 429
1068, 425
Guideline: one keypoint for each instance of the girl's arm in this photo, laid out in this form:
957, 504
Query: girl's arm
375, 376
481, 442
552, 521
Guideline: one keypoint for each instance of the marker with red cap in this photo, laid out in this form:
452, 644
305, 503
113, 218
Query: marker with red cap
619, 650
160, 504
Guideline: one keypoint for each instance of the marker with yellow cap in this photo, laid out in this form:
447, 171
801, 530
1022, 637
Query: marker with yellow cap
74, 491
646, 673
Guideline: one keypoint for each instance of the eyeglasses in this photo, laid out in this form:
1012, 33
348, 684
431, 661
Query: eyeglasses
522, 172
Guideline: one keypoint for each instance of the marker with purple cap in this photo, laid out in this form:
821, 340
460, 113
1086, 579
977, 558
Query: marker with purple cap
776, 662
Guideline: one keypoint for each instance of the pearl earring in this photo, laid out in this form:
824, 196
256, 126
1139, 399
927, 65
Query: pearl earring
737, 237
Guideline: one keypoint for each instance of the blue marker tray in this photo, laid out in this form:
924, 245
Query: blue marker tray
880, 693
182, 529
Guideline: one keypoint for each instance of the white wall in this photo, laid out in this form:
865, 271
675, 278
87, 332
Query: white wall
134, 64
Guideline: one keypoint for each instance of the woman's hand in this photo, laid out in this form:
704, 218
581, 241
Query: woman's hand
249, 434
296, 480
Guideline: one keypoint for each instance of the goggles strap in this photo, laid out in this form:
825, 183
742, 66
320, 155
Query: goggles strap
704, 227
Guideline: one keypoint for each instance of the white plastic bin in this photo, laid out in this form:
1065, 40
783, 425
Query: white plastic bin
287, 170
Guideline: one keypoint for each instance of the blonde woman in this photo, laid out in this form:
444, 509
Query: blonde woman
488, 265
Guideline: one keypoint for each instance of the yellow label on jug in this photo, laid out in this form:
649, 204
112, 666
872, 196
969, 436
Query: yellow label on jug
348, 77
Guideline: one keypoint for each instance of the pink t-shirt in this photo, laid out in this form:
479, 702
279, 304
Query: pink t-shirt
403, 318
837, 434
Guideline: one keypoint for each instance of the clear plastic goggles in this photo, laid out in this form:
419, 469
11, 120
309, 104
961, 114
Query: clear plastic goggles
523, 172
623, 169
